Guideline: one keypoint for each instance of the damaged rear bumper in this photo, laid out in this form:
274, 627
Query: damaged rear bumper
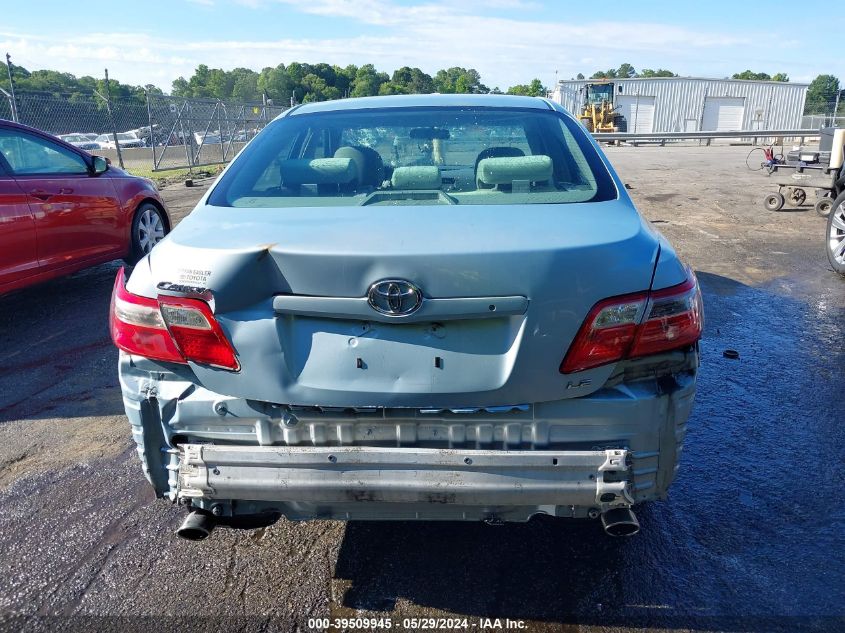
575, 457
338, 475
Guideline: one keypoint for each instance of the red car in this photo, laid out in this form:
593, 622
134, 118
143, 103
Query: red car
62, 210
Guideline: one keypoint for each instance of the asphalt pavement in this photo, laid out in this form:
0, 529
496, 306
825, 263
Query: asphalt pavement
751, 538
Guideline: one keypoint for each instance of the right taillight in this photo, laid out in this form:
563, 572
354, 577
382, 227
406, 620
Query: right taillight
172, 329
637, 325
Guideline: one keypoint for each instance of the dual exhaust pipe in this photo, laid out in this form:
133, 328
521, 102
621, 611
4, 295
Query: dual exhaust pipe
198, 525
620, 522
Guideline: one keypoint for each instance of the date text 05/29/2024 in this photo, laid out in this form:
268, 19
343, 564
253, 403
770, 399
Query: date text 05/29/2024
416, 624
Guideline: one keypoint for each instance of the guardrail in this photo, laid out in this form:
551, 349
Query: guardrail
708, 136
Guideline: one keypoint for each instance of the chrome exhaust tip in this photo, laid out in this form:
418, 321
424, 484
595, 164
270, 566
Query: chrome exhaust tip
620, 522
196, 526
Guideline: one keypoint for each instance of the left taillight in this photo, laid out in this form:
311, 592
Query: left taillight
641, 324
168, 328
137, 326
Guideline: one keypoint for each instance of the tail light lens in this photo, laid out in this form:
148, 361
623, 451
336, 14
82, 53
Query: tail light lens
637, 325
169, 329
197, 333
137, 326
674, 319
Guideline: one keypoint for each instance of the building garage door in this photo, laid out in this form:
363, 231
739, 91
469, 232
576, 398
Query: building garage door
723, 114
638, 112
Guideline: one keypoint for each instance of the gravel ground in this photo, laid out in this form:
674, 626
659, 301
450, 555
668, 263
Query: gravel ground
750, 539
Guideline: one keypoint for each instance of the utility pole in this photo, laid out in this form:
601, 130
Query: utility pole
12, 88
107, 99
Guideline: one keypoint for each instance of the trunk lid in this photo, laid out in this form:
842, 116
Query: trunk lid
546, 265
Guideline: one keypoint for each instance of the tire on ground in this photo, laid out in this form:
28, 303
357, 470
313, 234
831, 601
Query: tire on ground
148, 228
835, 235
823, 206
774, 202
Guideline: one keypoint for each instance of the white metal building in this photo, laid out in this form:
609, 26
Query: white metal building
689, 104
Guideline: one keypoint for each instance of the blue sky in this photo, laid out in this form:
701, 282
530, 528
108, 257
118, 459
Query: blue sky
508, 41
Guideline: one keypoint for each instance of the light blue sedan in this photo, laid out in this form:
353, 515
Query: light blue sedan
411, 307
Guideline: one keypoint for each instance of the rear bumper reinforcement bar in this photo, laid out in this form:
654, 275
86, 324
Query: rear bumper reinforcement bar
405, 475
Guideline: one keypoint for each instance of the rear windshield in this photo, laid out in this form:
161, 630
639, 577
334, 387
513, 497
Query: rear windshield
417, 156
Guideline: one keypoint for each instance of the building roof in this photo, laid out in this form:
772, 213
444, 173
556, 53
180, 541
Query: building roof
740, 81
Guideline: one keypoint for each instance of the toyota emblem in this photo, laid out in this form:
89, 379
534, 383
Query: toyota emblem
394, 297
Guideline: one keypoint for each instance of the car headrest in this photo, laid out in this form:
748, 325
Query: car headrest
373, 166
318, 171
504, 171
497, 152
357, 157
418, 177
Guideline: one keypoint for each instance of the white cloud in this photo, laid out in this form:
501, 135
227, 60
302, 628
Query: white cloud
431, 35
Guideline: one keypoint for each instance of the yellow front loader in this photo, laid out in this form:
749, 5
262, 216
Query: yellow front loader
599, 114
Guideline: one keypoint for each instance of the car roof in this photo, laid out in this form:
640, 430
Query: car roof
20, 126
428, 100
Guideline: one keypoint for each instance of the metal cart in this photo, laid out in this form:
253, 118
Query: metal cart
793, 181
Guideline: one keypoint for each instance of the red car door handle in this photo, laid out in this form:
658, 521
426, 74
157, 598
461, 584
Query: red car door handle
40, 194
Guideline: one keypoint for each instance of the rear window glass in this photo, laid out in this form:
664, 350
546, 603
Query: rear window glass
417, 156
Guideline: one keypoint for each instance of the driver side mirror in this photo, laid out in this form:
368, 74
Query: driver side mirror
100, 165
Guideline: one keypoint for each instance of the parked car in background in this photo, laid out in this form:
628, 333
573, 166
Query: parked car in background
210, 138
62, 209
410, 327
835, 234
79, 140
126, 140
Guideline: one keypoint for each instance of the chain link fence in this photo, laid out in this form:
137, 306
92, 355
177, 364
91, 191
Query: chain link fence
158, 132
155, 132
199, 132
817, 121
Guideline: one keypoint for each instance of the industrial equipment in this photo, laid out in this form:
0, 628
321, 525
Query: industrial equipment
599, 113
804, 169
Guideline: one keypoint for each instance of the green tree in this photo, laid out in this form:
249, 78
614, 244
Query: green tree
275, 83
245, 87
534, 89
821, 95
344, 78
368, 81
412, 81
604, 74
180, 88
626, 71
660, 72
457, 80
780, 77
392, 88
580, 76
747, 74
